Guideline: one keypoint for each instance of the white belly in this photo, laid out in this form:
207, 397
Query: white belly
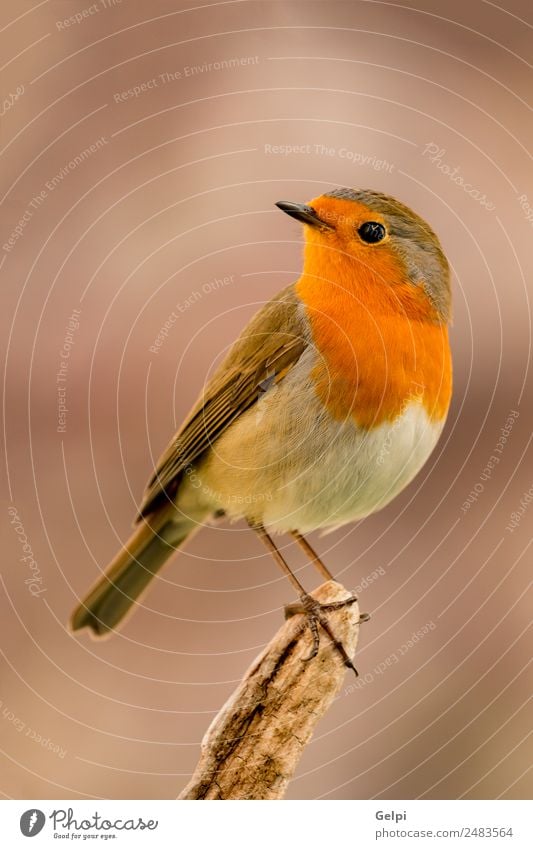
355, 474
287, 464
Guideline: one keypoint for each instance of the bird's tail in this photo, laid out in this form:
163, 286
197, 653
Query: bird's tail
130, 573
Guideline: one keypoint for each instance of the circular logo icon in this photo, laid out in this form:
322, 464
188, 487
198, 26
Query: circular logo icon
32, 822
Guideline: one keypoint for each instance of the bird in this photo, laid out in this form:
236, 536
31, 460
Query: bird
326, 406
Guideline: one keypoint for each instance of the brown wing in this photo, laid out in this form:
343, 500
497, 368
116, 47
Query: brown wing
269, 346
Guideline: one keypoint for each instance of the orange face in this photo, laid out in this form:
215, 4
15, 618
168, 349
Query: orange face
375, 323
373, 243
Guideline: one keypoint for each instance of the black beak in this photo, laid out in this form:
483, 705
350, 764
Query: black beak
303, 213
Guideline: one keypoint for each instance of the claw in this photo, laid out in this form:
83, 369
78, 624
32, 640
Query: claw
336, 605
312, 610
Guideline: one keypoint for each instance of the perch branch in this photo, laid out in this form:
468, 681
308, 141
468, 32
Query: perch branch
253, 745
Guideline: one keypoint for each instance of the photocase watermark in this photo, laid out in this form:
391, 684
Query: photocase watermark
27, 731
414, 396
70, 826
185, 72
77, 827
61, 377
183, 306
492, 462
413, 270
232, 498
89, 11
186, 465
369, 579
10, 99
526, 208
55, 181
34, 581
32, 822
51, 184
392, 658
517, 515
435, 155
353, 156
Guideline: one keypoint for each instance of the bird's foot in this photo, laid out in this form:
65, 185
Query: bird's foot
313, 610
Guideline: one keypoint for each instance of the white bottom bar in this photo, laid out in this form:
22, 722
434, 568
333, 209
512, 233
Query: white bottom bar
268, 825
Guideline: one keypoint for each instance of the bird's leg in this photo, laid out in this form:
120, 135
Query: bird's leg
313, 556
308, 605
278, 557
291, 609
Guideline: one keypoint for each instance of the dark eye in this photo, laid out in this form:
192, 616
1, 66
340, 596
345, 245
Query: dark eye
372, 231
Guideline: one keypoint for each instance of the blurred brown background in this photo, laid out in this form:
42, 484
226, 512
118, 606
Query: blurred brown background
140, 166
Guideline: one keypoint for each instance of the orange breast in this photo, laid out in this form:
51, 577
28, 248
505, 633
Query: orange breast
380, 347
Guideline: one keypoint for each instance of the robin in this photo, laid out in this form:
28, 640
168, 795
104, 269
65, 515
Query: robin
325, 408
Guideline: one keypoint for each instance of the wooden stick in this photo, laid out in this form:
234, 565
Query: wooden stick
253, 745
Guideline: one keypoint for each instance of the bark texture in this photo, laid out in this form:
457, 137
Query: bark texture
253, 745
